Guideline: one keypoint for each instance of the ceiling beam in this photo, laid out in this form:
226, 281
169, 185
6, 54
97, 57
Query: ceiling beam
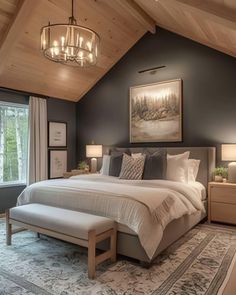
15, 29
211, 12
137, 12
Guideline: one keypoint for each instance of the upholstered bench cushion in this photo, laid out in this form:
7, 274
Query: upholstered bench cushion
72, 223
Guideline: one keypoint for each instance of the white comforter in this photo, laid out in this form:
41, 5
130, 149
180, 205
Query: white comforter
145, 206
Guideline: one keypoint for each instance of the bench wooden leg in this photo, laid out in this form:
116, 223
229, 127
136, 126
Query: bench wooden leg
8, 229
91, 254
113, 245
94, 260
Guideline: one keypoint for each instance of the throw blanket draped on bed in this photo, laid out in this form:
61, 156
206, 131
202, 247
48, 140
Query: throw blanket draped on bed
145, 206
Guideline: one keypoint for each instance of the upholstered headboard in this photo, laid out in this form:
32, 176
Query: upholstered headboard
207, 155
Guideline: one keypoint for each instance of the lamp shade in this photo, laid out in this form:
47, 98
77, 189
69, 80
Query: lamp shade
228, 152
93, 151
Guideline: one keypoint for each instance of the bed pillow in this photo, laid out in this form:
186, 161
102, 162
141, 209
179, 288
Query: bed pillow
193, 167
105, 165
116, 160
177, 167
115, 164
155, 165
132, 167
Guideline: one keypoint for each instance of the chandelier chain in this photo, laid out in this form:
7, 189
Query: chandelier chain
72, 9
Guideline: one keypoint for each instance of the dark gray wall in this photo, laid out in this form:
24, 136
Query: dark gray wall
58, 110
209, 93
8, 196
61, 110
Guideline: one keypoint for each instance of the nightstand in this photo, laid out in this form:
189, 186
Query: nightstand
222, 202
74, 172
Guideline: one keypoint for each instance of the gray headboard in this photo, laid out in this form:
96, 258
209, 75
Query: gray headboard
207, 155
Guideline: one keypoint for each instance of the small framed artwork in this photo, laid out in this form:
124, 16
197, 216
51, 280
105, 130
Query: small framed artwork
57, 134
156, 112
57, 163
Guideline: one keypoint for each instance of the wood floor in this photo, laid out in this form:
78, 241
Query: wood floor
230, 288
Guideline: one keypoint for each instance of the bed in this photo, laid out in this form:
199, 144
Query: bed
143, 229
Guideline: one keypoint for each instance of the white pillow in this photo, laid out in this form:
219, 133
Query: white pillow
177, 167
193, 167
105, 165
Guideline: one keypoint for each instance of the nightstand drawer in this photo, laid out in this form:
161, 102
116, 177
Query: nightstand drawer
223, 212
223, 195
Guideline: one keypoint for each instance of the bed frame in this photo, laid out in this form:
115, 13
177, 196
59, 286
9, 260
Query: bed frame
128, 243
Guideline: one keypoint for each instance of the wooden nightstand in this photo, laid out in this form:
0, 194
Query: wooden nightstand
222, 202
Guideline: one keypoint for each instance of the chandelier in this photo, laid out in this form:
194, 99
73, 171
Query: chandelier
70, 44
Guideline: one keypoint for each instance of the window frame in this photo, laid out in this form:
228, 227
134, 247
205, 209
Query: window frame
16, 105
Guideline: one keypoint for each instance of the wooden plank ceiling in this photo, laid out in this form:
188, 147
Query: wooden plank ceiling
120, 24
210, 22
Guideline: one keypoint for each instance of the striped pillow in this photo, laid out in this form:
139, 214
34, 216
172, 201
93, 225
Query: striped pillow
132, 167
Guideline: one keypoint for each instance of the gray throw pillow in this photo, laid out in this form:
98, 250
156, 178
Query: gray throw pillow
116, 160
132, 168
155, 165
115, 165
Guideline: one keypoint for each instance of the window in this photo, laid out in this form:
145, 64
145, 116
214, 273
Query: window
13, 143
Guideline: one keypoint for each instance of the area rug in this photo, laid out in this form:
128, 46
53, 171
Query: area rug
196, 264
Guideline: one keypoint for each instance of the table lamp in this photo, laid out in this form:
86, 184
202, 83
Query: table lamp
228, 153
93, 151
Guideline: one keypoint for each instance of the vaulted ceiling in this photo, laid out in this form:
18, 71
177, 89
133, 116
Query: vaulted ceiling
120, 24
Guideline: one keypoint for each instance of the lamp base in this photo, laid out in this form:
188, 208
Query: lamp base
232, 172
93, 165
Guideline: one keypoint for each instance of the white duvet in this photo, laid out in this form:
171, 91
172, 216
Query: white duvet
145, 206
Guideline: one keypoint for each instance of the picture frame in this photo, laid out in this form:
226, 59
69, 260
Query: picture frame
57, 134
156, 112
57, 163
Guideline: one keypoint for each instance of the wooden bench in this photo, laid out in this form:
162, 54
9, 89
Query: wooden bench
76, 227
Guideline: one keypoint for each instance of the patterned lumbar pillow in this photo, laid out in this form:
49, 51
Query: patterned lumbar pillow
132, 167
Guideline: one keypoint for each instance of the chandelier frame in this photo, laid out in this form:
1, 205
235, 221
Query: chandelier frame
76, 46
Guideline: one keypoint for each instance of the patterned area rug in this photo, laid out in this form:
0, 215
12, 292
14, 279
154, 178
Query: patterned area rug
196, 264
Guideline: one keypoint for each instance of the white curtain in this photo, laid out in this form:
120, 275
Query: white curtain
38, 163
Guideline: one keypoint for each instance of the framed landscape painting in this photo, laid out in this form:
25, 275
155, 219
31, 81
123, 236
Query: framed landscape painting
156, 112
